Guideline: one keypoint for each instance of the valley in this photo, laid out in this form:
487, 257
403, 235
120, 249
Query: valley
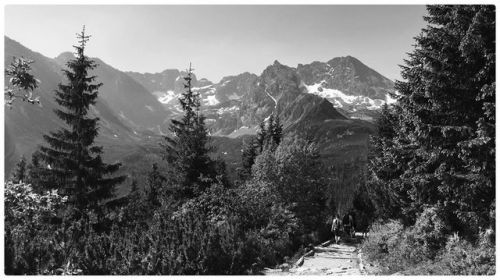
332, 103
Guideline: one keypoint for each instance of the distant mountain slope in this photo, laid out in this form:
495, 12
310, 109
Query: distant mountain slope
237, 104
26, 123
319, 101
130, 100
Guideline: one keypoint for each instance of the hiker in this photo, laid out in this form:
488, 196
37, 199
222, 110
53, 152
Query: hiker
352, 221
362, 223
336, 226
348, 222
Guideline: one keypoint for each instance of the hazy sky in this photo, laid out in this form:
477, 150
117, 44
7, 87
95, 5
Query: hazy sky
221, 40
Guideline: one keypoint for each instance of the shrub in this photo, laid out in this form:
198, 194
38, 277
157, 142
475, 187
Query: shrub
397, 248
383, 243
429, 232
31, 246
466, 258
427, 249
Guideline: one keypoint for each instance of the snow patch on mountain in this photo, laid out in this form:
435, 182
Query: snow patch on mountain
274, 99
210, 100
391, 100
201, 88
337, 104
339, 99
227, 110
275, 103
327, 93
243, 130
165, 97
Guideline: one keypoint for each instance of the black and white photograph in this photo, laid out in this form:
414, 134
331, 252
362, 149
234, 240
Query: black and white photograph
282, 139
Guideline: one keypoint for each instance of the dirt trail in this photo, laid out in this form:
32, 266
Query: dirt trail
333, 259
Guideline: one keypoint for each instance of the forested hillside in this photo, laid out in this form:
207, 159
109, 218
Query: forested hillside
152, 174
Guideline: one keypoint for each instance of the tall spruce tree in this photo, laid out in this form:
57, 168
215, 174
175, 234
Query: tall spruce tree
154, 187
34, 172
74, 163
261, 137
444, 146
20, 173
387, 161
188, 150
269, 136
248, 155
277, 130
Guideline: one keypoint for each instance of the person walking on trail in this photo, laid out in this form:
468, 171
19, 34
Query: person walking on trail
336, 228
348, 222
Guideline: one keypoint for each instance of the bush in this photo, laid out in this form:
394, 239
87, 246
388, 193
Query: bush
31, 246
466, 258
399, 248
429, 232
427, 249
382, 245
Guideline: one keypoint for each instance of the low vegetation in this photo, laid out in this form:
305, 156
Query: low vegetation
432, 161
430, 180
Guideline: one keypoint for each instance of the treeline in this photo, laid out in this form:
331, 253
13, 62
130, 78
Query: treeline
62, 217
432, 161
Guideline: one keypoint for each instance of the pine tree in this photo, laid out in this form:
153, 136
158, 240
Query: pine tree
20, 173
444, 145
277, 130
154, 187
221, 171
188, 150
270, 134
34, 172
387, 162
248, 156
74, 163
269, 140
261, 137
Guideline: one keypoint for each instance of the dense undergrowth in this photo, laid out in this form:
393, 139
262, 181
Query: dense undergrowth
427, 248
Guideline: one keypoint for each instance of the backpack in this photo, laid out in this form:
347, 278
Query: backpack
335, 224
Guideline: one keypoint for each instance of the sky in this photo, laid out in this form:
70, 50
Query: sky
221, 40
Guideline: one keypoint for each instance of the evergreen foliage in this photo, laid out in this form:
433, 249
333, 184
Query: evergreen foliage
430, 178
188, 149
269, 136
298, 177
438, 146
35, 172
248, 156
74, 162
20, 173
154, 187
432, 162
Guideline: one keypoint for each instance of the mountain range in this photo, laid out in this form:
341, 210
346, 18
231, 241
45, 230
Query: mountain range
237, 104
334, 102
